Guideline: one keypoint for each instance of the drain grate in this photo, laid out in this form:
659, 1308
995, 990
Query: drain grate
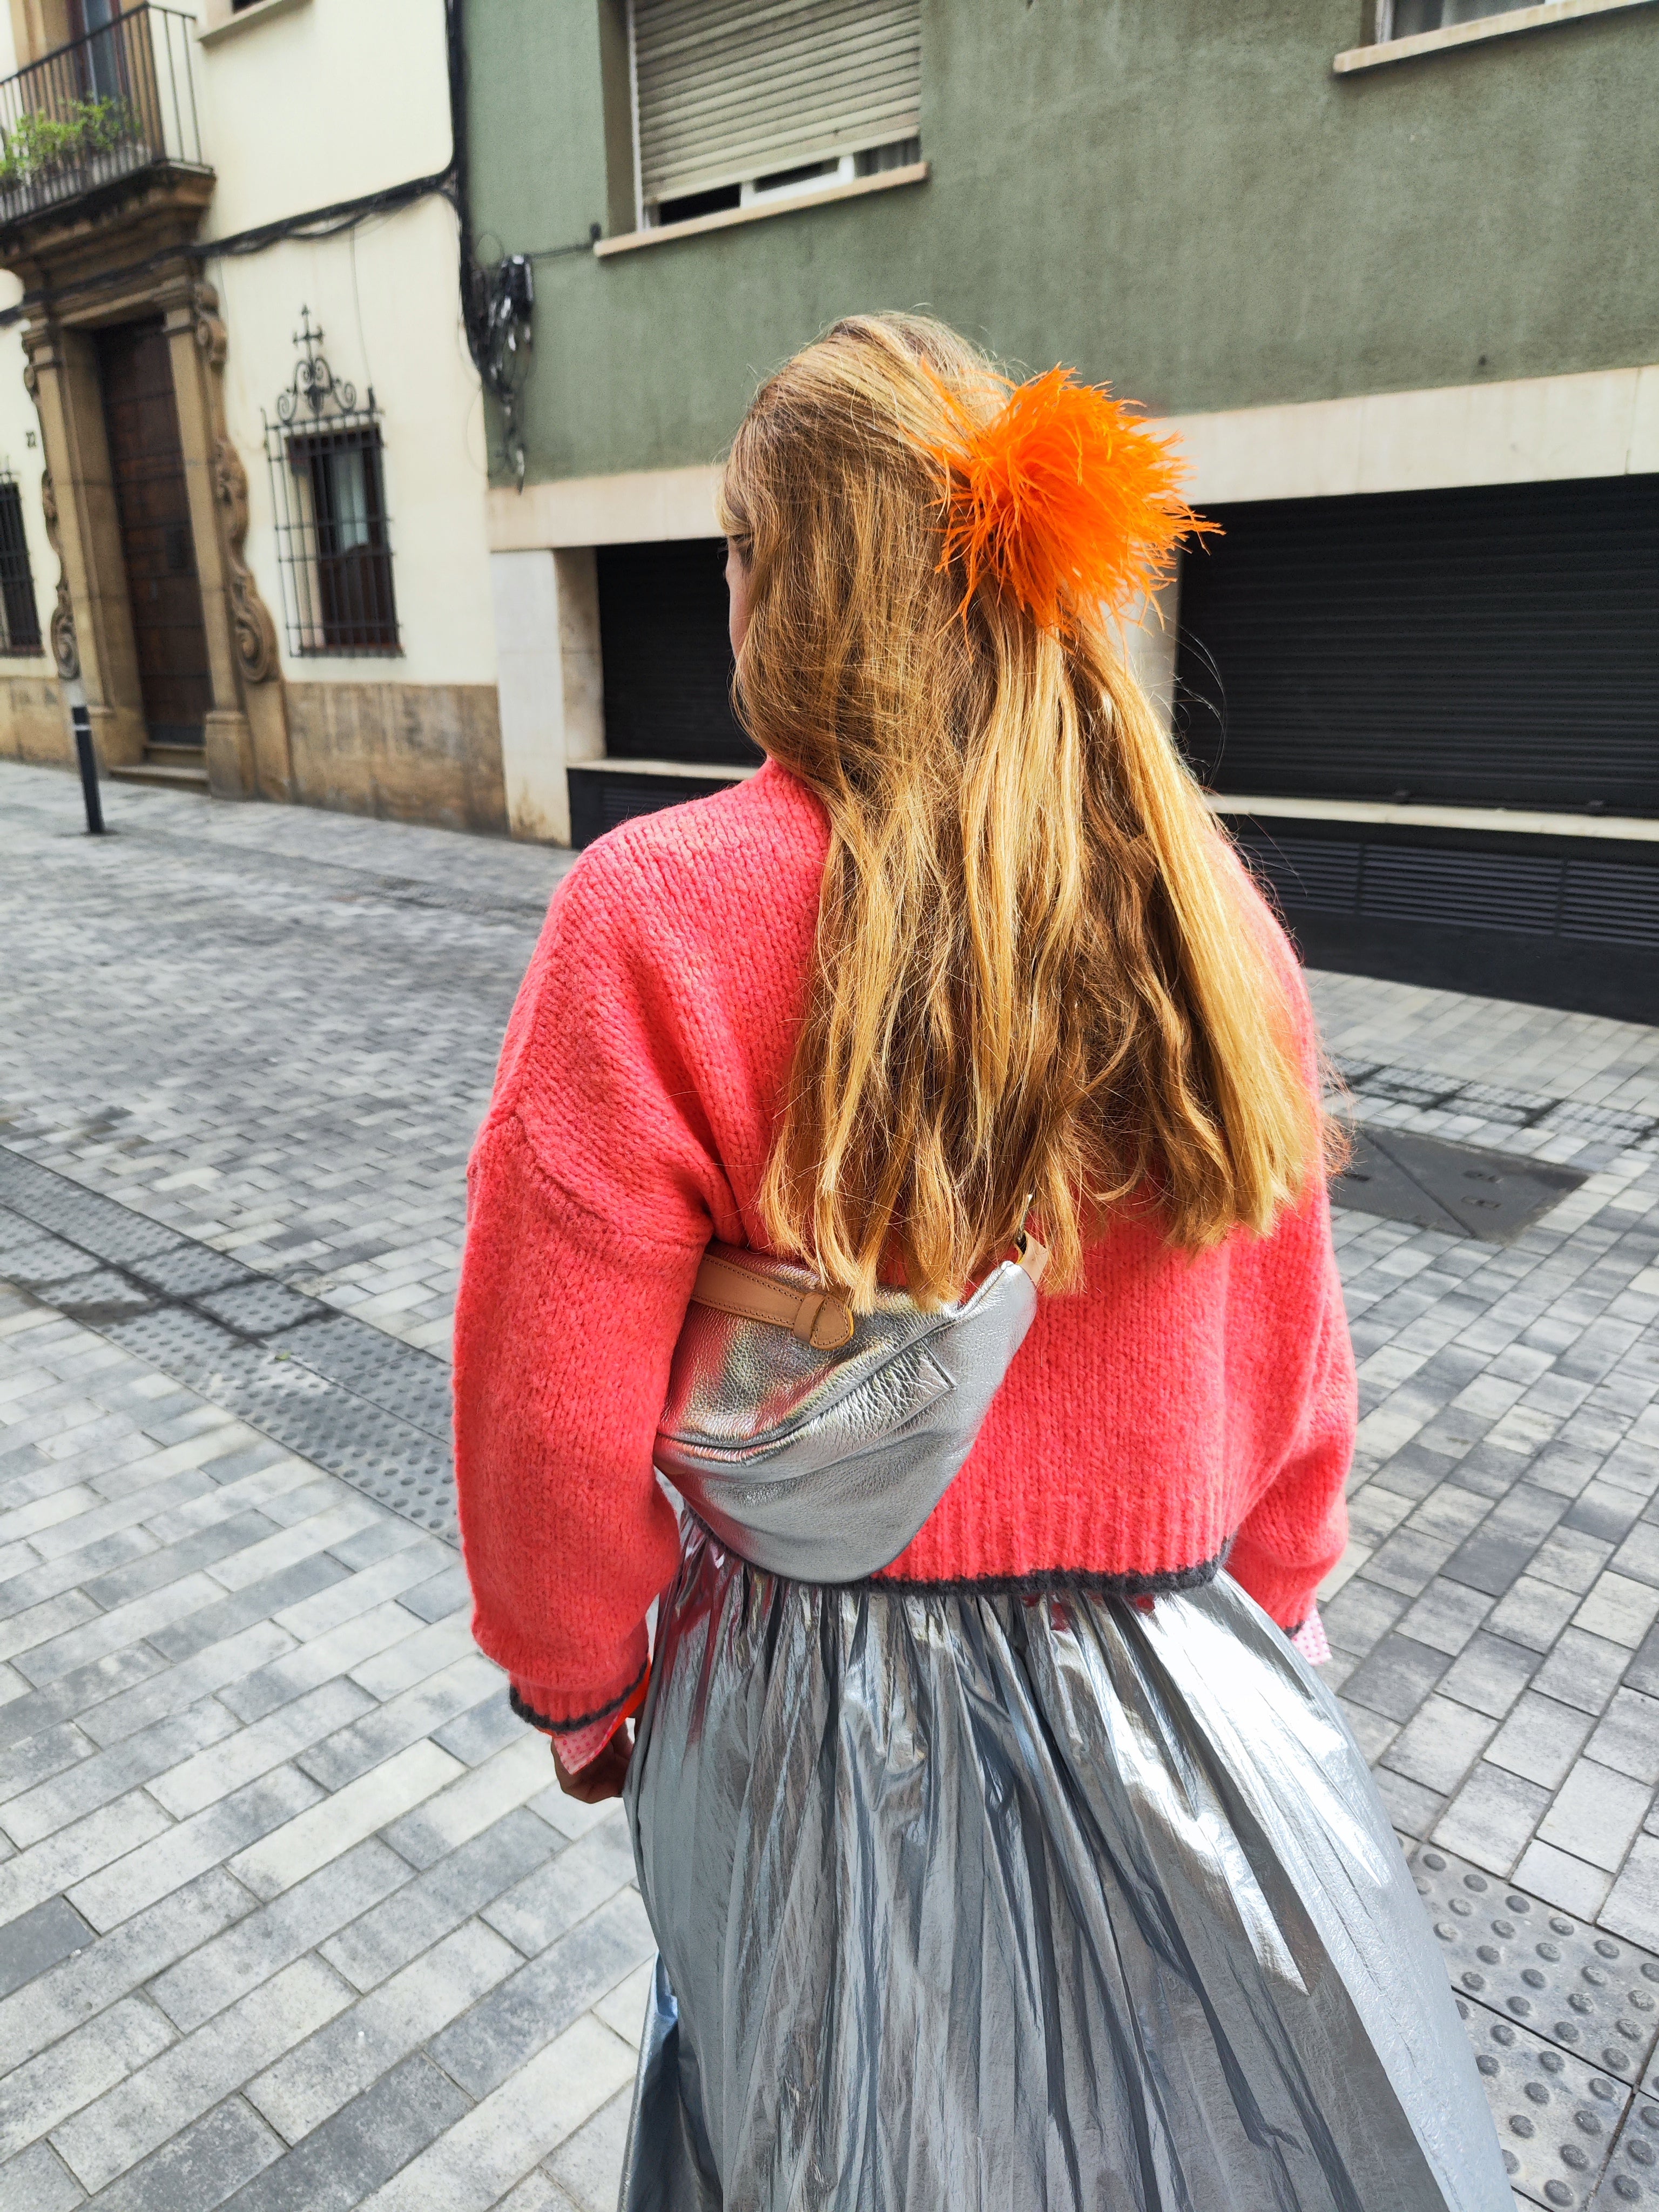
366, 1408
1456, 1187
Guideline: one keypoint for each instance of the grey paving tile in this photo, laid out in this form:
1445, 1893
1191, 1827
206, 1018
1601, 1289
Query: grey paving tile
401, 1721
362, 2146
220, 1971
38, 2181
1445, 1616
531, 2007
1627, 1738
37, 1940
1541, 1739
1397, 1677
114, 1965
199, 2167
1619, 1607
1492, 1819
586, 2164
1595, 1815
166, 1862
49, 2089
345, 2057
1632, 1906
1489, 1674
160, 1690
94, 1780
440, 1596
1535, 1613
139, 2115
435, 1902
1559, 1879
1582, 1670
478, 1733
1439, 1744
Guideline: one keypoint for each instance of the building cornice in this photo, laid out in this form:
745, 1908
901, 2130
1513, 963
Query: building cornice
1603, 422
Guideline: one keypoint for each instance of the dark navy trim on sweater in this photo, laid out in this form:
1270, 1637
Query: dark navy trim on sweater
1053, 1582
527, 1712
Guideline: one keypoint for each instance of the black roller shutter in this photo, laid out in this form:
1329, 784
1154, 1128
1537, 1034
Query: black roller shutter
1493, 645
1553, 921
666, 659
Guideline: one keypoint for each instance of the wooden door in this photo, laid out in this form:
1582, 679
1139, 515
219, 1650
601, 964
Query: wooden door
141, 419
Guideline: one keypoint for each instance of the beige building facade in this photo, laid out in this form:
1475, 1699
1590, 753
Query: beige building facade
247, 444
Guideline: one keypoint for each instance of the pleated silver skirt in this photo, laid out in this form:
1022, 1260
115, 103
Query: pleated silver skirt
982, 1903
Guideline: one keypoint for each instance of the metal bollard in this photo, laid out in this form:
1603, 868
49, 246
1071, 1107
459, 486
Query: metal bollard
83, 752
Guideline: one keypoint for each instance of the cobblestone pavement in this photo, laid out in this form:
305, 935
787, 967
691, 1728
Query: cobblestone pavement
289, 1914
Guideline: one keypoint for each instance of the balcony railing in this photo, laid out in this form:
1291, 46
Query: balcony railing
103, 108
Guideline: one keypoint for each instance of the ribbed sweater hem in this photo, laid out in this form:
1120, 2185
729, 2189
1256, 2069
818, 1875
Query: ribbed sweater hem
1046, 1582
526, 1711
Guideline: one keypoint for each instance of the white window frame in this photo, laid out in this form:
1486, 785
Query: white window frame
837, 175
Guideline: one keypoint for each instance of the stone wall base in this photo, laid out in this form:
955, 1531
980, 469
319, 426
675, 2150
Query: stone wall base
32, 724
408, 752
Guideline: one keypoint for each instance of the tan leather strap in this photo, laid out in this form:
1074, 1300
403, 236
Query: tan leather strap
1033, 1256
815, 1316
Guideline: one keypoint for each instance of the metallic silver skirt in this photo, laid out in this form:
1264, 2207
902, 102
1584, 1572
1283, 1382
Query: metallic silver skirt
979, 1902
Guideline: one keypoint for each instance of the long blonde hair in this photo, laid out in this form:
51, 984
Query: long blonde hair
1038, 986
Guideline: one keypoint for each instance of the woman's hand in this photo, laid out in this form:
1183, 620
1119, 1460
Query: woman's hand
601, 1778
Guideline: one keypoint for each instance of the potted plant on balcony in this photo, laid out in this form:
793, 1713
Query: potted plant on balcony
45, 157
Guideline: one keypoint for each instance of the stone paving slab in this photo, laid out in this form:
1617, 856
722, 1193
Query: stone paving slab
289, 1914
292, 1913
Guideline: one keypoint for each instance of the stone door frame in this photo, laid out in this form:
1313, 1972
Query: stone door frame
246, 727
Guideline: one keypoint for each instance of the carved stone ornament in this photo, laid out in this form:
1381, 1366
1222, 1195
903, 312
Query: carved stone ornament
64, 650
254, 631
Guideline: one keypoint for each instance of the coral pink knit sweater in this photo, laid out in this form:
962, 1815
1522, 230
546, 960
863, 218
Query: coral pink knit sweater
1176, 1406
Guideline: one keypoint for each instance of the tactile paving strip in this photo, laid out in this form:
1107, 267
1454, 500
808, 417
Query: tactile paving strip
1632, 2174
366, 1408
406, 1381
94, 1296
187, 1273
29, 1258
102, 1225
1595, 1996
256, 1308
1556, 2117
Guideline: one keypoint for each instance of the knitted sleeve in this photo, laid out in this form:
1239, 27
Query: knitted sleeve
1296, 1532
589, 1204
1297, 1527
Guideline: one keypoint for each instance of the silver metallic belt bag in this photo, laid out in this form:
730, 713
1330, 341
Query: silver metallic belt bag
815, 1442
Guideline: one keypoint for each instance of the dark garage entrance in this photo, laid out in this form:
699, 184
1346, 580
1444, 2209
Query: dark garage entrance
668, 669
1494, 647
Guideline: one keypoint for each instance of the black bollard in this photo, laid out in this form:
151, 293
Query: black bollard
88, 760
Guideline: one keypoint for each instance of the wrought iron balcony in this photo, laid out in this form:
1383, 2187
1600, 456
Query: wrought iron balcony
120, 100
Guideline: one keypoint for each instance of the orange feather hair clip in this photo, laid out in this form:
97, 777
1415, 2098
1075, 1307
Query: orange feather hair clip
1065, 494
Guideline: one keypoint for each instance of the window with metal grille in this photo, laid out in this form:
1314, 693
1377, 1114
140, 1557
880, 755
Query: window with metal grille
735, 106
328, 493
20, 621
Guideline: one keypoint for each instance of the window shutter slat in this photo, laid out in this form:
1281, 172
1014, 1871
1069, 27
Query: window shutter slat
728, 91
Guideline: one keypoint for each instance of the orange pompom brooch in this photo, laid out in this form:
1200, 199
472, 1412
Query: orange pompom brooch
1064, 495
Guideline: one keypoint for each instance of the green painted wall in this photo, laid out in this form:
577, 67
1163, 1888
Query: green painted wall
1177, 195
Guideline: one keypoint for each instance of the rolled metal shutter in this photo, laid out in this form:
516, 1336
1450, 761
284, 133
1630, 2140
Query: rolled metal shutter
1494, 645
727, 90
665, 657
